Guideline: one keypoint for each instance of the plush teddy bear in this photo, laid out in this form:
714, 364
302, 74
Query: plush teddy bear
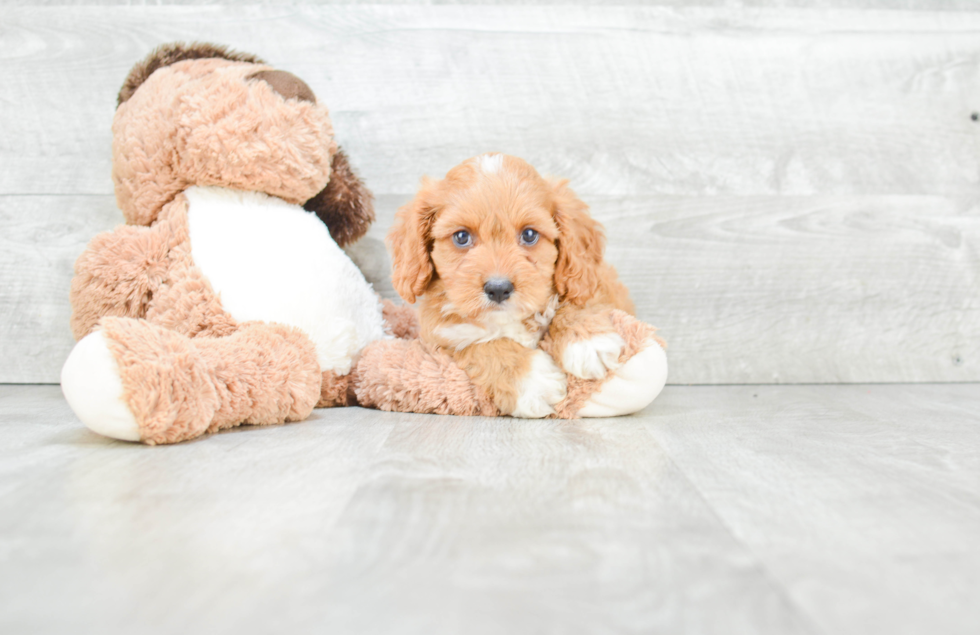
224, 299
227, 299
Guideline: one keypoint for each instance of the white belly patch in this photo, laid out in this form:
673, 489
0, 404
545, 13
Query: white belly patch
273, 261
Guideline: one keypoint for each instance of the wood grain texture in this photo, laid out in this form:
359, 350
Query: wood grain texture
901, 5
41, 239
841, 489
815, 509
623, 100
790, 193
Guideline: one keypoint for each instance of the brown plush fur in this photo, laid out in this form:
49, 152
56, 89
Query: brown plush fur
406, 376
179, 388
167, 54
183, 127
495, 198
344, 205
402, 320
336, 390
286, 85
147, 272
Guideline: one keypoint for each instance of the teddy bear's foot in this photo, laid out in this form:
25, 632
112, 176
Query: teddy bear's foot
137, 381
93, 388
631, 387
632, 364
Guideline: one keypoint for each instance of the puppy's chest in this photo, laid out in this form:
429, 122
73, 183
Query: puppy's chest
526, 331
272, 261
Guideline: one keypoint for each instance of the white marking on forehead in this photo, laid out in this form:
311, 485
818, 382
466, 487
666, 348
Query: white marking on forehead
490, 163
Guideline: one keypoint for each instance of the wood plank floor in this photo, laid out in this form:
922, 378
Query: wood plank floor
733, 509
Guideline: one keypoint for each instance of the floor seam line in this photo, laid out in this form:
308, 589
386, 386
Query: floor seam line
772, 579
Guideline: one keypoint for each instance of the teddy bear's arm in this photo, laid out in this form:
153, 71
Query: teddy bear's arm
116, 275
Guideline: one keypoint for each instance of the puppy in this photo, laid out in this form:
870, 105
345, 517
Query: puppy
497, 256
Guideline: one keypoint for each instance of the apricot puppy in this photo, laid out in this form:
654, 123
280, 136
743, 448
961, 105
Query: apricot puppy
497, 255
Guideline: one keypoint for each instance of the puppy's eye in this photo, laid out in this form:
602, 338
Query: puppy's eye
529, 236
462, 238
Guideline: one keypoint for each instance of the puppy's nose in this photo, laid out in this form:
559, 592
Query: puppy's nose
498, 289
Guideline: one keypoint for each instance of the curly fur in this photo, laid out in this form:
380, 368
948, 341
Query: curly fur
495, 198
409, 242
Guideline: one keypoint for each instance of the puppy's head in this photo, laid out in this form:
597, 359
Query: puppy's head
497, 236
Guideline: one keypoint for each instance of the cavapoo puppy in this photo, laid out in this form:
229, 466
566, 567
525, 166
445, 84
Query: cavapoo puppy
497, 255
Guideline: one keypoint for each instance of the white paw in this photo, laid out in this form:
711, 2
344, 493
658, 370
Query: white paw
91, 384
541, 389
592, 358
632, 387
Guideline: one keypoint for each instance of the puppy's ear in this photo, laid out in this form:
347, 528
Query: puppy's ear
409, 242
581, 243
345, 205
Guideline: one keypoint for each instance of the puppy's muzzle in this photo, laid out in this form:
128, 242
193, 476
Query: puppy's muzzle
498, 289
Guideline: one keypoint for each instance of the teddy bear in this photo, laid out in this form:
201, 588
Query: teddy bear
227, 298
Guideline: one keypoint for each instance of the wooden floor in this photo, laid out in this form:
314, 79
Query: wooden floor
734, 509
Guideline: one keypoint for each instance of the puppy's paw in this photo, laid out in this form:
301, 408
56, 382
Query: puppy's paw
594, 357
541, 388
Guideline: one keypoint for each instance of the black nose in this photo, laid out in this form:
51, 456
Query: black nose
498, 289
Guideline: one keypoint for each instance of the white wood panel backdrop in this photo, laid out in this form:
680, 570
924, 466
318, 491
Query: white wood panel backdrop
791, 193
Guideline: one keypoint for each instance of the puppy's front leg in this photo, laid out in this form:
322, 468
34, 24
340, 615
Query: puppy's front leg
523, 382
585, 341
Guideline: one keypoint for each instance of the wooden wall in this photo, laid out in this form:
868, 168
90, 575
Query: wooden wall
789, 188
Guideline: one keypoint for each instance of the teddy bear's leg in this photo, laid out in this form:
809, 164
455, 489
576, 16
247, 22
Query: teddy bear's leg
402, 322
403, 375
137, 381
633, 380
631, 387
336, 390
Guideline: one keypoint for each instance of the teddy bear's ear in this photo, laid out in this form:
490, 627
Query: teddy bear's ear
286, 84
168, 54
345, 205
